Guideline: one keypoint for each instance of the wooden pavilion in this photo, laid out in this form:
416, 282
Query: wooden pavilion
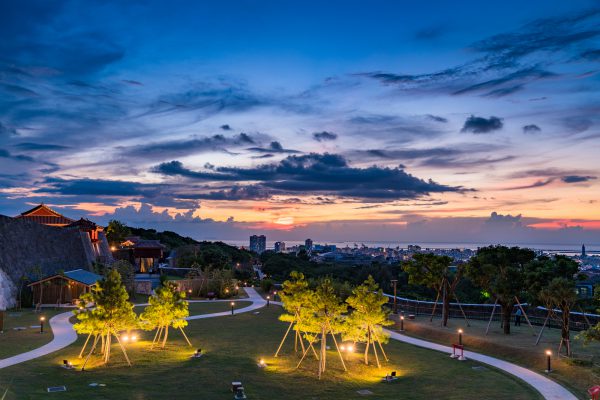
63, 288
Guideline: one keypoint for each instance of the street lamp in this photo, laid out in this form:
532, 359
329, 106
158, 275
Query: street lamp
548, 361
460, 332
402, 323
42, 319
232, 305
395, 282
268, 300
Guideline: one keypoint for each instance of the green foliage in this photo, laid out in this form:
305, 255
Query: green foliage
294, 295
167, 307
365, 323
501, 271
212, 255
117, 231
112, 312
428, 270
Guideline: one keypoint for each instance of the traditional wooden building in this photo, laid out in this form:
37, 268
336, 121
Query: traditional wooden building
64, 288
144, 254
43, 214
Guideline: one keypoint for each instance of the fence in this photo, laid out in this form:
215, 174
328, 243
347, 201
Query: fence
537, 315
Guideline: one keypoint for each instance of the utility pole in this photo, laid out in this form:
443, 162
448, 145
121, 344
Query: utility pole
395, 282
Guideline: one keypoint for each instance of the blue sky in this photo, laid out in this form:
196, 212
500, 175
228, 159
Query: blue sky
342, 121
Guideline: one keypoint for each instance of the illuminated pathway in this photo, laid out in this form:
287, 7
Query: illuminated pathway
64, 335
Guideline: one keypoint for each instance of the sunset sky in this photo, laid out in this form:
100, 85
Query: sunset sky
370, 120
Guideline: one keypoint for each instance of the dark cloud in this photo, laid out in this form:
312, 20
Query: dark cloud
17, 157
437, 118
591, 55
132, 82
274, 147
99, 187
577, 178
41, 146
226, 127
324, 136
506, 62
464, 162
177, 148
262, 156
577, 123
393, 128
482, 125
324, 174
531, 128
6, 131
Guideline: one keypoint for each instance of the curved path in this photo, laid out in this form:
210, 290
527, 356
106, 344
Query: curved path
547, 387
64, 335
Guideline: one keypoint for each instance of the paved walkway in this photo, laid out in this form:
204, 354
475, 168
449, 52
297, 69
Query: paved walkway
64, 335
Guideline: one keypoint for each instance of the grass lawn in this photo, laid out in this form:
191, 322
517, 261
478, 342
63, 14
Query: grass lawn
19, 341
232, 348
518, 347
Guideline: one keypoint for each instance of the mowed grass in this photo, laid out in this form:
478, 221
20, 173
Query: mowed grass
233, 345
14, 342
518, 347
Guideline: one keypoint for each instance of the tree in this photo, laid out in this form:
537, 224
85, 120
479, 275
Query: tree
294, 295
501, 272
117, 231
322, 317
365, 323
434, 272
551, 281
112, 314
167, 308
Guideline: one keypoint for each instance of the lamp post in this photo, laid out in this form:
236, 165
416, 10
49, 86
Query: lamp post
232, 305
42, 319
548, 361
402, 323
275, 295
268, 300
395, 282
460, 332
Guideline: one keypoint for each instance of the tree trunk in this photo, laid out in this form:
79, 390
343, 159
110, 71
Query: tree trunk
565, 331
166, 336
446, 304
506, 314
367, 348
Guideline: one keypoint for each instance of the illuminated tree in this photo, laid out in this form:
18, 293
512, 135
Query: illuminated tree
294, 295
320, 317
111, 315
167, 308
117, 231
365, 323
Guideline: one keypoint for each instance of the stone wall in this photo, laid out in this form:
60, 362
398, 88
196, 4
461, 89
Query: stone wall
25, 244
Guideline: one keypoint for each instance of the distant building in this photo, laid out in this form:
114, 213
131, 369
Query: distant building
258, 243
583, 251
64, 288
279, 247
308, 245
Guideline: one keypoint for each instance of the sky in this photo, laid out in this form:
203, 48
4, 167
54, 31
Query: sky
398, 121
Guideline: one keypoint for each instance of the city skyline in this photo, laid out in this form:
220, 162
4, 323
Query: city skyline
338, 122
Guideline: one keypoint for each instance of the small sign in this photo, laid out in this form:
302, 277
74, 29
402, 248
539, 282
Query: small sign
53, 389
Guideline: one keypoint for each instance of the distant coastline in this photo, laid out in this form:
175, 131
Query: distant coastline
557, 248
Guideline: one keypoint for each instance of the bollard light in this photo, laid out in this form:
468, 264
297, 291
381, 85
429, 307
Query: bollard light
350, 348
42, 319
548, 361
232, 305
268, 300
402, 323
262, 363
460, 332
